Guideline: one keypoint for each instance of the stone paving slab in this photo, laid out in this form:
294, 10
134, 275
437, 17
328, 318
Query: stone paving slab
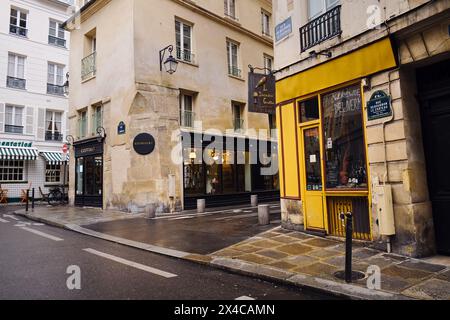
433, 289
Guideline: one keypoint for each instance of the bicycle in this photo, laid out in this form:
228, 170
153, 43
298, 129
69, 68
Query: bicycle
57, 196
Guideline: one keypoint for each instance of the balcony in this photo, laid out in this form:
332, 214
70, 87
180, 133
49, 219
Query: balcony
13, 129
55, 89
238, 125
321, 29
53, 136
185, 55
187, 119
59, 42
88, 67
16, 83
234, 71
17, 30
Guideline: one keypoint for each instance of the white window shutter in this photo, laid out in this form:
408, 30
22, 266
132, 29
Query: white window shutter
41, 124
2, 117
29, 121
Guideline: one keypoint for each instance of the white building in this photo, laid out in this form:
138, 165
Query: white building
34, 56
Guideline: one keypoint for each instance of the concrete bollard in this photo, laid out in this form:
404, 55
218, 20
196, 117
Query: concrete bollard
201, 205
150, 211
264, 215
254, 201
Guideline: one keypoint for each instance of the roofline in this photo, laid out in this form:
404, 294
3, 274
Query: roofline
82, 9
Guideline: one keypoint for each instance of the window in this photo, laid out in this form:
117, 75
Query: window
16, 71
89, 63
345, 157
230, 9
82, 124
53, 126
237, 116
233, 63
186, 109
309, 110
53, 173
268, 64
318, 7
265, 23
184, 41
11, 170
56, 34
97, 119
14, 119
55, 79
18, 22
273, 125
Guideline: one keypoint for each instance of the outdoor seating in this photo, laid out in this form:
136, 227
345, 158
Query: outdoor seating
3, 195
44, 196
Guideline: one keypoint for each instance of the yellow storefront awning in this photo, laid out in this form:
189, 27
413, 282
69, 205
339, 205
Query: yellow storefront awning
361, 63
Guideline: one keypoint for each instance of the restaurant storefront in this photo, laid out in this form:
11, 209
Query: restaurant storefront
324, 167
89, 173
229, 170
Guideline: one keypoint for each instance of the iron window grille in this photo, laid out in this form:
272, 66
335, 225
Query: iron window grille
17, 83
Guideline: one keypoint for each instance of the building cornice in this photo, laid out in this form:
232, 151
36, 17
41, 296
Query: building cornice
222, 20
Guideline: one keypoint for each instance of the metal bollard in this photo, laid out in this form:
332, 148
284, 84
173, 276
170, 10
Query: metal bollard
254, 200
348, 246
26, 200
264, 215
201, 205
32, 199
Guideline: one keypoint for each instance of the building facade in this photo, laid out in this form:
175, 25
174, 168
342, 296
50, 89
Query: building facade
142, 136
34, 56
363, 95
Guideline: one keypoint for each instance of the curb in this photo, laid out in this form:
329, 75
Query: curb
266, 273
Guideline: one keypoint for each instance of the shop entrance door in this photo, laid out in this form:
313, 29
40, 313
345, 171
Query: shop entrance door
312, 173
89, 181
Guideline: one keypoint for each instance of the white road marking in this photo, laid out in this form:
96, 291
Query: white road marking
245, 298
38, 224
3, 221
22, 224
132, 264
42, 234
10, 216
182, 218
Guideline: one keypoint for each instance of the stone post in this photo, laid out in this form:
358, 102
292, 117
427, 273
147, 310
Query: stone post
254, 200
150, 211
264, 215
201, 204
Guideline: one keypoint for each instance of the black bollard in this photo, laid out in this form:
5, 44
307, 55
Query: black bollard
32, 199
26, 202
348, 246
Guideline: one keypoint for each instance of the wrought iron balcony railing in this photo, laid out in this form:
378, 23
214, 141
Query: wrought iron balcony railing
234, 71
13, 129
17, 30
57, 41
185, 55
53, 136
187, 119
88, 66
16, 83
55, 89
320, 29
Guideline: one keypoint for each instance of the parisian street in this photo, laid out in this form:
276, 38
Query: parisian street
35, 258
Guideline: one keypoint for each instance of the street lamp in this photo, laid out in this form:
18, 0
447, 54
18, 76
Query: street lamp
66, 85
101, 134
171, 64
70, 140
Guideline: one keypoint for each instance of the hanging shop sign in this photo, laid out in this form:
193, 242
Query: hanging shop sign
379, 106
144, 144
121, 128
283, 29
261, 93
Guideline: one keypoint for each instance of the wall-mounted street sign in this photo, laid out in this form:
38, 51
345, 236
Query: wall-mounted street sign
121, 128
144, 144
261, 93
379, 106
283, 29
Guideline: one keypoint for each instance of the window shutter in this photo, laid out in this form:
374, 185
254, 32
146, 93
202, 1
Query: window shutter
29, 120
41, 124
2, 117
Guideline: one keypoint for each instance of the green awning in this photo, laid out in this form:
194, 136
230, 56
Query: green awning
17, 153
56, 158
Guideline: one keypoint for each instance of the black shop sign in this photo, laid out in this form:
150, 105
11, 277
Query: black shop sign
379, 106
144, 144
261, 93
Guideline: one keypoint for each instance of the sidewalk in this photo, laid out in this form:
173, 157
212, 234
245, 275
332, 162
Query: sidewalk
274, 254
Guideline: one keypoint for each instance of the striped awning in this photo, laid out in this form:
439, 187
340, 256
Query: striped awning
17, 153
55, 157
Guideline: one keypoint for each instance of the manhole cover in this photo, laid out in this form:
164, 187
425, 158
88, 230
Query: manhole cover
356, 275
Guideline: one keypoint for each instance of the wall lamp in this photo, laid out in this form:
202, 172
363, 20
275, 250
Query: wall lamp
315, 54
171, 64
101, 134
70, 140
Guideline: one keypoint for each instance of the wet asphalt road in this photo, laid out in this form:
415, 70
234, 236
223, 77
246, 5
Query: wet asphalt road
34, 266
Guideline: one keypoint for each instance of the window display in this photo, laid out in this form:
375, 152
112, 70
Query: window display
345, 158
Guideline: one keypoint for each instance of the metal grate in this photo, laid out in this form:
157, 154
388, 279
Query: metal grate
359, 206
320, 29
